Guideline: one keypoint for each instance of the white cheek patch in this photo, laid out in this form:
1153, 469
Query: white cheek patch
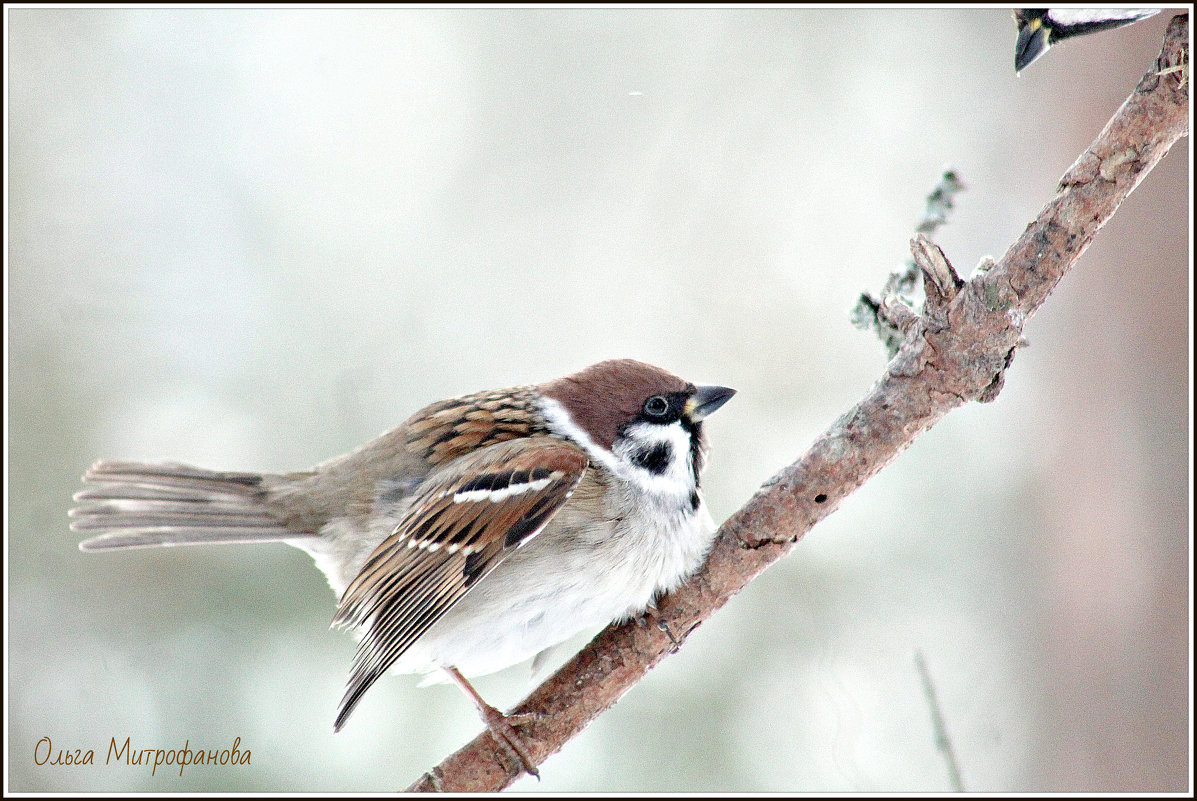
657, 457
674, 480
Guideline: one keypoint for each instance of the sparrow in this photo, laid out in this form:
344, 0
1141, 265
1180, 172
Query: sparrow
482, 531
1040, 28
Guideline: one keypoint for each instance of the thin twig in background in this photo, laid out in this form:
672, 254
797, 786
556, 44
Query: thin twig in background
955, 351
942, 741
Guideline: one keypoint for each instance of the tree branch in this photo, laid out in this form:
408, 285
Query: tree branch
956, 351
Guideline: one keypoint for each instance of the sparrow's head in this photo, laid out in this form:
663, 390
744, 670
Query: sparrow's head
639, 421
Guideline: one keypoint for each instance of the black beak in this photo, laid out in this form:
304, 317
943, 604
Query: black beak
1032, 43
706, 400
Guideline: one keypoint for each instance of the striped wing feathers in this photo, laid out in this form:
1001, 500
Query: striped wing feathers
463, 520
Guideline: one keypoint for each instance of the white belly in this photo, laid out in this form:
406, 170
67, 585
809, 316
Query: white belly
563, 581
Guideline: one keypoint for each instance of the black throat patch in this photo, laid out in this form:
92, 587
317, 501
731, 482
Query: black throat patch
655, 459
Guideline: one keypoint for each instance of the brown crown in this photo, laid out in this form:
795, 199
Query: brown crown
609, 394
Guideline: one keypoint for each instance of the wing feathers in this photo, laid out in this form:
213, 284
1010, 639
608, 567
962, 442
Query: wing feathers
464, 520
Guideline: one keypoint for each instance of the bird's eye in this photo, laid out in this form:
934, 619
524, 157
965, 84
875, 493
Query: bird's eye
656, 406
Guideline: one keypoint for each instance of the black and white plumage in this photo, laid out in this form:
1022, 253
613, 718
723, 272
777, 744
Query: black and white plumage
1040, 28
482, 531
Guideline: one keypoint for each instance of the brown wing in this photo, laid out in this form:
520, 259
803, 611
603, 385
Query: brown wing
464, 520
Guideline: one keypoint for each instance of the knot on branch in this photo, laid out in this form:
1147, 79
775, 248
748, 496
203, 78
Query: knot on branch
941, 284
1172, 61
967, 331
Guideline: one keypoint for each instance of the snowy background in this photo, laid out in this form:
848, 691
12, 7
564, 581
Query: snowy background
253, 239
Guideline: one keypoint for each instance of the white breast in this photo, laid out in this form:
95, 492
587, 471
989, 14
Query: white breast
574, 575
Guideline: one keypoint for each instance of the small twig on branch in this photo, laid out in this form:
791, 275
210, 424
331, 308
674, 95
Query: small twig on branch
941, 200
890, 315
955, 352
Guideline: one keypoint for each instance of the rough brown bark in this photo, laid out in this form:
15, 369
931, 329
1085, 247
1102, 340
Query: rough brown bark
956, 350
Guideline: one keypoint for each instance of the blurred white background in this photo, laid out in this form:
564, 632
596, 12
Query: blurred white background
253, 239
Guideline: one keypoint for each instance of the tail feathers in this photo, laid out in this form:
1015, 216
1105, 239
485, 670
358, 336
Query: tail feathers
175, 535
137, 505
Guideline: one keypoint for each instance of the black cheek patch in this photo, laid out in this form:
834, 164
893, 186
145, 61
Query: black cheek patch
655, 459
